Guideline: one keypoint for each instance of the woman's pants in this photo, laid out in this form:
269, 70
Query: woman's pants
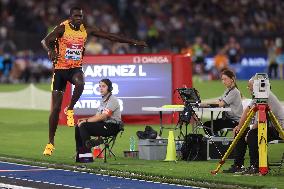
218, 124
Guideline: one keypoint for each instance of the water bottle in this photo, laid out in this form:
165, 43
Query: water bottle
178, 146
132, 144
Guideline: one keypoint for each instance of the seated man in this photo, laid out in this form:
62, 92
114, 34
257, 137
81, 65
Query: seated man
106, 122
250, 137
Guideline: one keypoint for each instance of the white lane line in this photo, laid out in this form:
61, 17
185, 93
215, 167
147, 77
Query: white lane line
14, 186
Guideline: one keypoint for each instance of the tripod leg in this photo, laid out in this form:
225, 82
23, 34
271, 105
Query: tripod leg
235, 141
181, 135
179, 126
186, 128
276, 124
111, 153
107, 147
161, 123
262, 139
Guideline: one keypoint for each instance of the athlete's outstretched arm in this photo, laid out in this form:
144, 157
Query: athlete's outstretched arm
114, 37
51, 38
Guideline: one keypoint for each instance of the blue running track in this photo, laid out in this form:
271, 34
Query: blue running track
66, 178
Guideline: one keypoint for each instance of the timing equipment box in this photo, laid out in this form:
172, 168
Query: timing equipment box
152, 149
216, 145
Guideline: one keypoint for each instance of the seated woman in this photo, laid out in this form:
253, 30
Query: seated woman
230, 99
106, 122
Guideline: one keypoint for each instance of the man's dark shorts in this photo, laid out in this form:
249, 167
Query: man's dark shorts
61, 76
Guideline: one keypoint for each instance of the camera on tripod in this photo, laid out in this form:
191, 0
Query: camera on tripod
189, 96
261, 86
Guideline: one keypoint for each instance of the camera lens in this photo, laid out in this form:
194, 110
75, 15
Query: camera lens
262, 84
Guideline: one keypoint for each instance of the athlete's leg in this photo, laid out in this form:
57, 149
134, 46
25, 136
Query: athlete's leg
58, 86
79, 82
57, 97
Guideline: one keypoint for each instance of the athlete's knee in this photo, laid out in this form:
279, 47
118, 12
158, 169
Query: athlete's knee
80, 84
79, 81
79, 88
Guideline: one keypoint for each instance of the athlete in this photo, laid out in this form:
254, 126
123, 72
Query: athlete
65, 47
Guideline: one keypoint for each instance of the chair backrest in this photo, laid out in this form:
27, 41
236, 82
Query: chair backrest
121, 125
111, 139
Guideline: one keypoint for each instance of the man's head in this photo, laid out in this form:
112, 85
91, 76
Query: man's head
76, 16
105, 86
228, 78
250, 84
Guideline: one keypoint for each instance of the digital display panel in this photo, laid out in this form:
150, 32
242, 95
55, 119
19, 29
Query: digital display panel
135, 85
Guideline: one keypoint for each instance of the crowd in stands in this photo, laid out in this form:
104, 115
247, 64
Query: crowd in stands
223, 28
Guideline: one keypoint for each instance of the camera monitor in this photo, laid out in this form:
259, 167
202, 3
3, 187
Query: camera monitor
189, 95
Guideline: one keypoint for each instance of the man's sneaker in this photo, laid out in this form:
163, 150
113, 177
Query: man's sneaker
48, 149
94, 142
235, 169
70, 118
252, 170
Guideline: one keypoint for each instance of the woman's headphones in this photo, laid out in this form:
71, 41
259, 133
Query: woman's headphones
108, 83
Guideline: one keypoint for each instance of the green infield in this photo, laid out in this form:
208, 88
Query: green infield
24, 134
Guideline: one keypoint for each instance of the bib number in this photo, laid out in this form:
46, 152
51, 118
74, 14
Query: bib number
73, 52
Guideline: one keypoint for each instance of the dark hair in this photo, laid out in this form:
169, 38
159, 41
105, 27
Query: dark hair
108, 83
75, 8
231, 75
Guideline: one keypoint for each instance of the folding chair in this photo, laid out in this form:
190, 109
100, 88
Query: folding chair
109, 141
223, 132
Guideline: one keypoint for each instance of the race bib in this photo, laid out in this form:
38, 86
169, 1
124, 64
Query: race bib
73, 51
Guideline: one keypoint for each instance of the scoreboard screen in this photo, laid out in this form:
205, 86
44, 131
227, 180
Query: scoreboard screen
135, 85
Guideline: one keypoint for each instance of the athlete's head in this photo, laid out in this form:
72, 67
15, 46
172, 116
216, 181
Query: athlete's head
76, 16
105, 86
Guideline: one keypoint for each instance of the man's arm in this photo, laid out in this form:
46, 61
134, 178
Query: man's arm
51, 37
114, 37
99, 117
95, 118
242, 120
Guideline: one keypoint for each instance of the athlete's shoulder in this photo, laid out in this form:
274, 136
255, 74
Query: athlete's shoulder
65, 22
59, 30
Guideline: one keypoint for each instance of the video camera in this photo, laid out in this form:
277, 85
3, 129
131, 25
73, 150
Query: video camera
261, 86
191, 99
189, 95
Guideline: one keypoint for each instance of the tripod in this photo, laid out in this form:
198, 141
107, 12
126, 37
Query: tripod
263, 110
184, 119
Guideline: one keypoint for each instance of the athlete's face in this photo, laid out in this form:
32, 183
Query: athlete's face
103, 88
77, 17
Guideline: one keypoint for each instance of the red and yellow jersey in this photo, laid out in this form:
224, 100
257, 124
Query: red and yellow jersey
70, 47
